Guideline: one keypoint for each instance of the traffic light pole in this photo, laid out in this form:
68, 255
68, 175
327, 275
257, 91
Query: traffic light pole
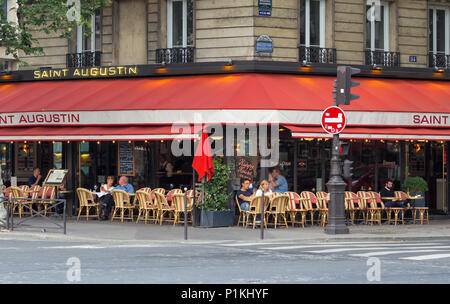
336, 185
336, 188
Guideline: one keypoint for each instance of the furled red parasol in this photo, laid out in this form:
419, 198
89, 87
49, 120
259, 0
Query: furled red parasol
203, 162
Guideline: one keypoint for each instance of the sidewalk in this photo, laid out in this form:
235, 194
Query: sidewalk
95, 231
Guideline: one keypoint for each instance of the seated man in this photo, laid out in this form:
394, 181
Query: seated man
388, 191
36, 178
278, 182
108, 198
244, 195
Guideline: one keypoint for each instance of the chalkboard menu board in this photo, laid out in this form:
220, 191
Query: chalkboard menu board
246, 167
126, 158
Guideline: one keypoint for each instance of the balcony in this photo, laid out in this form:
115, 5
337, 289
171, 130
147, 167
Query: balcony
382, 58
84, 59
175, 55
315, 54
439, 60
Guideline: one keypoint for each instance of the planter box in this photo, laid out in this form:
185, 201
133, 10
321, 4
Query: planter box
216, 218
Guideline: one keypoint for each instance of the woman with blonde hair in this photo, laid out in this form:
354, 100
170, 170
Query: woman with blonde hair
263, 185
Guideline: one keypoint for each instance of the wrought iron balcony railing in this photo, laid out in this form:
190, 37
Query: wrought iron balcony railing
316, 54
382, 58
175, 55
439, 60
84, 59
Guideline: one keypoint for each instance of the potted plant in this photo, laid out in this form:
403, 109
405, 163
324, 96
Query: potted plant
216, 211
416, 187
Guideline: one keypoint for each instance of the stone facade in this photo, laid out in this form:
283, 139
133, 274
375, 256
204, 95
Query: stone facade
133, 30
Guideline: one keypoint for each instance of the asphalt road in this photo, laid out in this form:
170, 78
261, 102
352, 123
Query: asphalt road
26, 261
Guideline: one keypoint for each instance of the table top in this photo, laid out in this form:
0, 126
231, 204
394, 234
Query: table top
300, 199
389, 198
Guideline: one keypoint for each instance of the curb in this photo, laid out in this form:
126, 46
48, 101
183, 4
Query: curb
39, 236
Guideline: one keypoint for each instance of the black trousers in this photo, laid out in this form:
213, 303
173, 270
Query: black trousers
108, 202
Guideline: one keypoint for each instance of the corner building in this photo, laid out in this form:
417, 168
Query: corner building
235, 62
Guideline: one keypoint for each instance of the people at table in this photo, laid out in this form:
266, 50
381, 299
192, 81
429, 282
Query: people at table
36, 178
109, 200
277, 181
244, 195
264, 185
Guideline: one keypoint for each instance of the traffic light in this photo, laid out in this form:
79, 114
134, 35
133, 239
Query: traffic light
343, 148
343, 85
348, 169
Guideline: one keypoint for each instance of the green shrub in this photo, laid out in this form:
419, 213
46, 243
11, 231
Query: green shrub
415, 184
217, 197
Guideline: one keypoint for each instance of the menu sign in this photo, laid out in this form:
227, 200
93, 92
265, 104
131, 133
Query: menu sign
126, 159
245, 167
55, 177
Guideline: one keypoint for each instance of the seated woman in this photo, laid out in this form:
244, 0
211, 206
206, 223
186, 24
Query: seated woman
264, 185
108, 187
106, 204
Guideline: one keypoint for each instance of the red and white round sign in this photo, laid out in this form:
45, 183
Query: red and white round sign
333, 120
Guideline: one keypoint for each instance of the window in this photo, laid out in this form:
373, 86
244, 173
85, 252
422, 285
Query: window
439, 28
180, 25
4, 9
377, 26
89, 43
312, 23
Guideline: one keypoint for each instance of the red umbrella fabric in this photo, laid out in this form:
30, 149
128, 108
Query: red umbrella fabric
203, 162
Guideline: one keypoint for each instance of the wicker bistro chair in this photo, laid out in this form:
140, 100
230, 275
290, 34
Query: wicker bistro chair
33, 193
404, 197
146, 189
310, 203
373, 211
159, 190
122, 203
18, 208
163, 208
422, 212
277, 208
294, 207
146, 206
322, 199
171, 193
178, 204
255, 209
86, 200
242, 213
24, 187
190, 197
354, 206
47, 192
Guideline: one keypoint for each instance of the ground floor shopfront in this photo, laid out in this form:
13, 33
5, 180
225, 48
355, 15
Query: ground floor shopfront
101, 127
305, 162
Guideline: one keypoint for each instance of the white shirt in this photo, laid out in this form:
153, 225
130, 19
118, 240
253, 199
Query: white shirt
102, 193
259, 192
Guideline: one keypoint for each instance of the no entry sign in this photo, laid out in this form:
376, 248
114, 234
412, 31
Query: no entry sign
333, 120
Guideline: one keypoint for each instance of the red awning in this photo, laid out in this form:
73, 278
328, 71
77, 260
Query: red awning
145, 108
373, 133
97, 133
235, 98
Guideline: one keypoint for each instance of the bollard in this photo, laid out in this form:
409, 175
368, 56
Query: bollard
185, 213
262, 214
